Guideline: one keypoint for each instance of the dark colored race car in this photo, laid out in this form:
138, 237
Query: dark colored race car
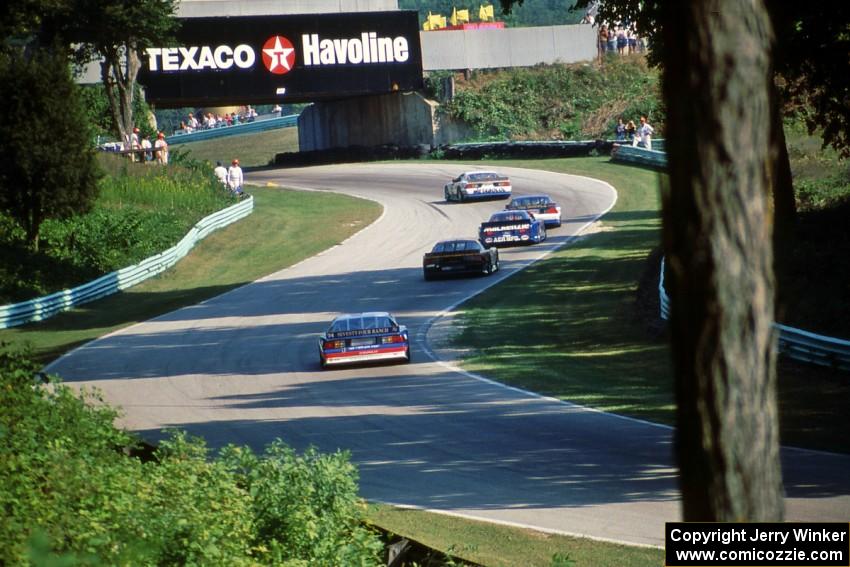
477, 185
363, 337
461, 256
540, 206
507, 228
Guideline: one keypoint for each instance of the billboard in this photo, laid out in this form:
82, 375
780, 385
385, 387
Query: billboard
284, 59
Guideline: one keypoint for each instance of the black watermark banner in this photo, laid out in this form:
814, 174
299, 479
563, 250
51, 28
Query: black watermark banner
698, 544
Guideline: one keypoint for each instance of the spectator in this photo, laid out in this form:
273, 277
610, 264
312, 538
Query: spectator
235, 178
161, 149
602, 41
146, 145
193, 123
631, 131
620, 130
645, 132
622, 40
220, 173
277, 110
632, 37
235, 119
133, 145
612, 39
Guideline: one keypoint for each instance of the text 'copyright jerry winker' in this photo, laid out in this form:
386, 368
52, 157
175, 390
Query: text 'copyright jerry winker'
703, 544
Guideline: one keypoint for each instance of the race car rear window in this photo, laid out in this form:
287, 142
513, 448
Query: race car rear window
456, 246
509, 216
361, 323
485, 176
532, 201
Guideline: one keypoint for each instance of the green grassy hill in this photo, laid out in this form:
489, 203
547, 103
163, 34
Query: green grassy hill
251, 149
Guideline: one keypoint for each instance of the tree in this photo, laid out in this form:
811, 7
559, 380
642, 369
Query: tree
49, 168
717, 237
717, 75
117, 31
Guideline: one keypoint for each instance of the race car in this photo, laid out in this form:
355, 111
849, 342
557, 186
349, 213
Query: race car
363, 337
460, 256
477, 185
540, 206
511, 227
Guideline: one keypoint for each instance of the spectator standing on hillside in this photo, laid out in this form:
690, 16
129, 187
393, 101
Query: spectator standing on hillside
631, 131
235, 178
612, 39
602, 41
645, 132
220, 173
620, 130
161, 149
146, 145
622, 40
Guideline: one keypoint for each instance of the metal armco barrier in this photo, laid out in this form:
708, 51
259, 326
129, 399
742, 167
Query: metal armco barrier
801, 346
639, 156
44, 307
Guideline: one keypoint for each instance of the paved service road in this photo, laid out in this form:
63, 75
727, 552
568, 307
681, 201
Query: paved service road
243, 368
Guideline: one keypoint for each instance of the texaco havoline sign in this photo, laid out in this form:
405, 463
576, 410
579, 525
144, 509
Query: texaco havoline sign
266, 59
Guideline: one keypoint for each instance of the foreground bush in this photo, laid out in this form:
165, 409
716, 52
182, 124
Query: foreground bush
68, 487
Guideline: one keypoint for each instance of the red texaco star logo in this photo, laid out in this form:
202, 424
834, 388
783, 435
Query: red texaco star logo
278, 55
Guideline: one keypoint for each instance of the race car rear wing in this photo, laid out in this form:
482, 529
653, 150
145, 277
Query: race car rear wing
362, 332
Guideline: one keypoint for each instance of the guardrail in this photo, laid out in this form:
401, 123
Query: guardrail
654, 159
44, 307
799, 345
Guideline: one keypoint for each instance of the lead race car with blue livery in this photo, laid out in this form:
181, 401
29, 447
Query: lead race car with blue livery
477, 185
506, 228
364, 337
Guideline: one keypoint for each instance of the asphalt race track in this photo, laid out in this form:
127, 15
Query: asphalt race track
243, 368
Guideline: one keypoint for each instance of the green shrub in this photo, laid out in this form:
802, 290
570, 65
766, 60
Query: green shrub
558, 101
141, 211
69, 490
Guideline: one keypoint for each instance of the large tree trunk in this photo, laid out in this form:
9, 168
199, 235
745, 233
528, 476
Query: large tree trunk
717, 235
119, 71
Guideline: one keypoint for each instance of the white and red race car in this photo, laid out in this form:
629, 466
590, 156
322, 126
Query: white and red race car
477, 185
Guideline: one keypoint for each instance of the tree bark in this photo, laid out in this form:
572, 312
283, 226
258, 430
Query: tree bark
717, 236
119, 72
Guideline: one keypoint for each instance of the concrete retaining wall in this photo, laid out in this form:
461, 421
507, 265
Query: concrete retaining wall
207, 8
400, 119
509, 47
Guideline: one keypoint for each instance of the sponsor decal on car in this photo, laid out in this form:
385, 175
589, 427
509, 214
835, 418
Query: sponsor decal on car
525, 226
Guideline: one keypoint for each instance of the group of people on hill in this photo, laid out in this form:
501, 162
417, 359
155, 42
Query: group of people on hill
629, 132
141, 148
620, 39
231, 178
210, 120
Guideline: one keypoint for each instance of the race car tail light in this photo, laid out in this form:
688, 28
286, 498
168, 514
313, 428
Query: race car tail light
552, 210
392, 339
523, 231
326, 345
471, 185
502, 183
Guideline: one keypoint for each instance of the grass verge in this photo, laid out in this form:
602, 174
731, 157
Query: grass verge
568, 326
279, 233
251, 149
504, 546
571, 326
